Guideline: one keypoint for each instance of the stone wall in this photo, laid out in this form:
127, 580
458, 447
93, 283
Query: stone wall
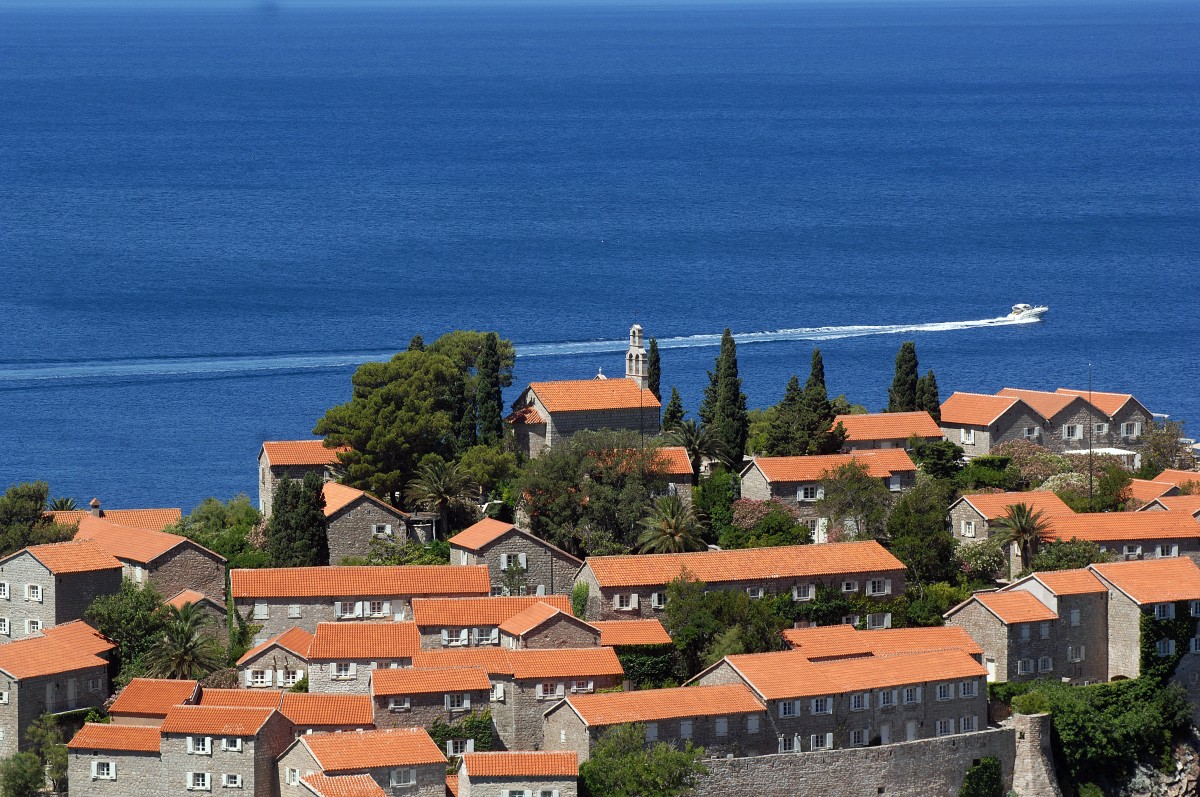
276, 661
30, 698
547, 569
63, 598
560, 631
269, 478
352, 528
137, 774
321, 676
424, 710
482, 786
562, 425
1124, 636
528, 710
188, 566
310, 611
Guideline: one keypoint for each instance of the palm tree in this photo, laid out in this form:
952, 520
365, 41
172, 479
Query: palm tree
62, 504
441, 487
699, 442
187, 648
672, 528
1023, 527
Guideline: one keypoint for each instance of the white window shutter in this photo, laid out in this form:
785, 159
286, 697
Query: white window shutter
829, 741
470, 745
446, 701
94, 768
918, 694
539, 692
616, 604
781, 744
521, 559
474, 636
887, 586
387, 607
895, 697
353, 670
503, 561
560, 690
359, 609
269, 674
191, 749
820, 492
633, 602
467, 700
591, 686
781, 714
449, 749
445, 637
249, 678
495, 636
462, 637
887, 620
499, 691
541, 589
190, 779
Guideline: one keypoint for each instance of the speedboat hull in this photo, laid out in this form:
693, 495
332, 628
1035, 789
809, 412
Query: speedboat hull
1027, 313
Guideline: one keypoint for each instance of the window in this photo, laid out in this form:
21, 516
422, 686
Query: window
944, 692
822, 705
231, 744
292, 776
1166, 551
912, 694
721, 726
1045, 664
658, 600
624, 601
402, 777
944, 727
581, 686
4, 590
498, 693
787, 708
849, 586
1031, 432
199, 745
1076, 653
858, 702
3, 698
1072, 431
345, 608
802, 592
755, 592
858, 738
1131, 429
1044, 630
878, 586
807, 493
378, 608
1194, 645
1024, 666
231, 781
198, 781
752, 723
1024, 632
1164, 611
966, 436
1166, 647
294, 611
262, 611
1132, 550
787, 744
460, 746
821, 741
381, 530
967, 724
652, 731
456, 701
259, 678
968, 689
399, 704
344, 671
33, 592
685, 729
968, 528
1076, 617
4, 626
887, 698
104, 770
879, 620
291, 677
850, 619
33, 626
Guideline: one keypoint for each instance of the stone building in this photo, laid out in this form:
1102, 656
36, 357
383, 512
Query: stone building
168, 561
343, 655
210, 607
1132, 535
281, 661
211, 747
403, 762
887, 429
972, 518
327, 713
515, 558
116, 761
544, 626
60, 669
725, 719
46, 585
473, 622
674, 464
341, 786
631, 633
845, 641
1180, 478
294, 459
632, 587
414, 697
279, 598
146, 701
1124, 417
1145, 491
354, 518
978, 422
518, 774
1184, 504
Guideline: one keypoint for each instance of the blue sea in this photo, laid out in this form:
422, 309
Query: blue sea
208, 217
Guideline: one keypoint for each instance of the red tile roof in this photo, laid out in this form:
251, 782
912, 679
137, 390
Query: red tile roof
294, 640
841, 641
63, 648
457, 612
564, 663
71, 557
300, 452
191, 596
339, 496
527, 620
480, 534
1108, 403
995, 505
1045, 403
360, 582
616, 633
673, 461
452, 785
364, 641
135, 545
1152, 580
889, 426
413, 681
521, 764
1189, 504
748, 564
1178, 477
216, 720
653, 705
153, 696
150, 519
880, 463
976, 409
241, 698
1146, 491
491, 660
1121, 526
1017, 606
527, 415
343, 785
582, 395
348, 752
116, 738
1071, 582
316, 709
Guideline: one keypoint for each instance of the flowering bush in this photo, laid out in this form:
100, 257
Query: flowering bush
748, 512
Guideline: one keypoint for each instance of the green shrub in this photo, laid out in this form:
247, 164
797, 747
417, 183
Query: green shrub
579, 599
983, 780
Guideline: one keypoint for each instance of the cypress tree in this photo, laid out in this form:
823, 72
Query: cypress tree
654, 369
417, 343
817, 415
730, 420
465, 435
902, 395
488, 402
297, 535
817, 375
673, 413
708, 404
927, 396
783, 435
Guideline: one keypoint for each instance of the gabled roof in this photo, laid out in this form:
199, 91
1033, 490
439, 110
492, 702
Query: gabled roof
489, 530
492, 660
842, 641
116, 738
1146, 491
527, 415
1152, 580
583, 395
134, 545
747, 564
153, 697
977, 409
315, 709
889, 426
150, 519
880, 463
527, 620
63, 648
674, 461
456, 612
521, 764
412, 681
339, 496
1121, 526
360, 582
993, 506
61, 558
1187, 504
564, 663
364, 641
1070, 582
1108, 403
1045, 403
452, 785
1017, 606
1178, 477
300, 452
216, 720
653, 705
192, 596
351, 752
241, 698
342, 785
294, 640
617, 633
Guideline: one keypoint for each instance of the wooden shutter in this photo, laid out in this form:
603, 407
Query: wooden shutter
616, 604
445, 637
560, 690
449, 747
503, 561
191, 747
249, 677
494, 637
539, 692
470, 746
829, 741
521, 559
466, 700
633, 600
353, 670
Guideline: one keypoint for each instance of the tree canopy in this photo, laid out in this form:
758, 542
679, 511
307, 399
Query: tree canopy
622, 765
489, 405
23, 518
724, 405
226, 528
654, 370
902, 395
918, 533
673, 413
854, 503
297, 532
133, 619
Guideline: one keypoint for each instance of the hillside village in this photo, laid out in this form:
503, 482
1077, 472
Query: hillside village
920, 591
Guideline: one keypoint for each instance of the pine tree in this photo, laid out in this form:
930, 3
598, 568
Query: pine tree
296, 533
465, 434
902, 396
783, 435
417, 343
654, 370
708, 404
673, 414
927, 396
817, 415
488, 401
730, 421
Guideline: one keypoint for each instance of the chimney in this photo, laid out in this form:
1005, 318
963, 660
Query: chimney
96, 510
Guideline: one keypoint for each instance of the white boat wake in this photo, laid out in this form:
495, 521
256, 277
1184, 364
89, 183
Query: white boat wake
200, 367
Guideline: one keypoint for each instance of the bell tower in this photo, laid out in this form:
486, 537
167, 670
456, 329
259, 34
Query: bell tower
635, 357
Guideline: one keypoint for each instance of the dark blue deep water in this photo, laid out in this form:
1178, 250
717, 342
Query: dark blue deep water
207, 217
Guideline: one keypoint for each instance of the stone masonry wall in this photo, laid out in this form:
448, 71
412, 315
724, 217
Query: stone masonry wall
317, 610
562, 425
270, 477
274, 659
546, 567
558, 632
137, 774
991, 634
424, 710
188, 567
1124, 636
500, 787
528, 711
30, 698
321, 676
351, 529
63, 598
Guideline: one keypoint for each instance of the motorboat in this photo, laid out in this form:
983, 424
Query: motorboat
1027, 312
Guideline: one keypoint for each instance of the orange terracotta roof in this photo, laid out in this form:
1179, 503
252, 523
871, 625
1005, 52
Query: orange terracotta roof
480, 534
1188, 504
521, 764
364, 641
880, 463
1146, 491
1152, 580
360, 582
294, 640
616, 633
976, 409
347, 752
191, 596
150, 519
1046, 404
63, 648
315, 709
828, 640
153, 696
1071, 582
117, 738
673, 461
653, 705
583, 395
70, 557
564, 663
459, 612
889, 426
412, 681
343, 785
747, 564
1121, 526
492, 660
994, 505
241, 698
1108, 403
339, 496
1178, 477
452, 785
842, 641
527, 415
1017, 606
784, 674
300, 452
525, 621
216, 720
134, 545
